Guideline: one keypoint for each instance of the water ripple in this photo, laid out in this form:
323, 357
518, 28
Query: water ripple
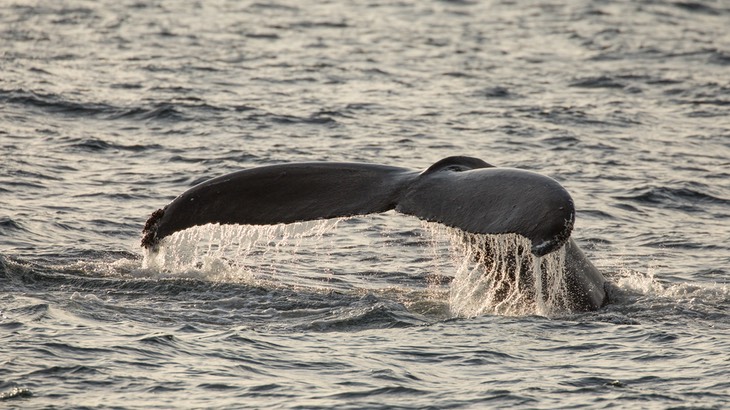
110, 110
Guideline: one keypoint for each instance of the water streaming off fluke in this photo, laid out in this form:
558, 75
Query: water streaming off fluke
497, 274
492, 274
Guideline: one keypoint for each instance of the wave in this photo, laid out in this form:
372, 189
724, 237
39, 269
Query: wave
9, 226
97, 144
598, 82
314, 119
51, 102
697, 7
156, 111
160, 111
684, 198
189, 109
375, 314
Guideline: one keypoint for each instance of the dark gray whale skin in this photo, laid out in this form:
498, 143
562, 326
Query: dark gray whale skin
461, 192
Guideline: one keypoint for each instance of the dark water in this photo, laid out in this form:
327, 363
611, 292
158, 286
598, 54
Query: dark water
109, 109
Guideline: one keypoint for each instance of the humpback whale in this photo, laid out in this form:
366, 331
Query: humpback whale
460, 192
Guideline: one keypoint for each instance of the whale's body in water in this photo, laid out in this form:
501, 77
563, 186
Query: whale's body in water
461, 192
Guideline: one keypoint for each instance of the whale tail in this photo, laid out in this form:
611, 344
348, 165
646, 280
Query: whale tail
462, 192
281, 194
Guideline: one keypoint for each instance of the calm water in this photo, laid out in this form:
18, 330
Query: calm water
109, 109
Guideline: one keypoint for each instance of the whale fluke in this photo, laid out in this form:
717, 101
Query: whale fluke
460, 192
284, 193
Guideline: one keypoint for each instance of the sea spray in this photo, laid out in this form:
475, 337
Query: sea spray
498, 274
492, 274
229, 252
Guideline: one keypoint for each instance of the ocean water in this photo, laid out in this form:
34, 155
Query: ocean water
109, 109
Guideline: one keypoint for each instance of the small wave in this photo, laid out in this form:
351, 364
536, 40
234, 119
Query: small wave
696, 7
177, 109
598, 82
271, 6
127, 86
165, 340
457, 74
498, 92
69, 350
712, 101
53, 103
679, 197
380, 315
9, 226
58, 104
573, 115
560, 142
34, 312
314, 119
19, 174
162, 111
720, 57
380, 391
217, 386
319, 24
65, 370
96, 144
266, 36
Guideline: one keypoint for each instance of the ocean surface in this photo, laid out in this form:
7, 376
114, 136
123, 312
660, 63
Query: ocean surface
110, 109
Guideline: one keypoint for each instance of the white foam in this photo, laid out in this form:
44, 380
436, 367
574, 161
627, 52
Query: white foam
647, 285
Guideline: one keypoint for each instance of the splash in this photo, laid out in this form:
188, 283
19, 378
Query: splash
644, 285
229, 252
492, 274
498, 274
